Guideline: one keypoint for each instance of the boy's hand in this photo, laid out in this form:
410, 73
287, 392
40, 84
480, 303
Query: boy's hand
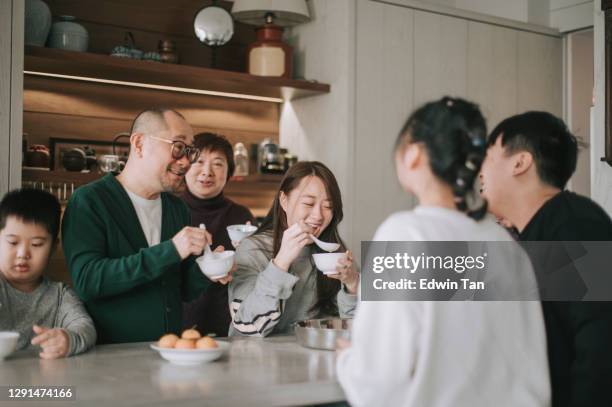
53, 341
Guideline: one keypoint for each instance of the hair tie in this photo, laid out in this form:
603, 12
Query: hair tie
476, 140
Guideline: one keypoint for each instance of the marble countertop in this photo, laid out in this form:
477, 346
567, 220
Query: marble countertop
273, 371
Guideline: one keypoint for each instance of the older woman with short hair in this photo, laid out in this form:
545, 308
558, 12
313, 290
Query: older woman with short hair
204, 196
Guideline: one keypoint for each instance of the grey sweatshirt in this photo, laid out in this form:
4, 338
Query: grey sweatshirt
52, 305
265, 299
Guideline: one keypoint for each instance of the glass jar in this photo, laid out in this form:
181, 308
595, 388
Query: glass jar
241, 159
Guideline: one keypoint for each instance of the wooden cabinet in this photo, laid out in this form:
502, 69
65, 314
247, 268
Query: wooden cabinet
94, 107
492, 70
540, 73
407, 56
91, 96
440, 56
253, 191
122, 72
386, 43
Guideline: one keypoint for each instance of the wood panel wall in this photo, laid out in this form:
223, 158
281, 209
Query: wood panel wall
107, 21
82, 110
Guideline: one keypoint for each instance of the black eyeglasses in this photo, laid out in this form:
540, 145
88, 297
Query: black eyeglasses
180, 149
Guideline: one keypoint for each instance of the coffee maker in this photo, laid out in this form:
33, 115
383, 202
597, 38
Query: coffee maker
270, 159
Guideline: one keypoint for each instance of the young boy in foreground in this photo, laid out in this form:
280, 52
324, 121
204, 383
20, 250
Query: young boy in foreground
45, 313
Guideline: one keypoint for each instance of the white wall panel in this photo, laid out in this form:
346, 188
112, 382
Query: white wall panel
540, 73
384, 91
492, 70
572, 18
440, 56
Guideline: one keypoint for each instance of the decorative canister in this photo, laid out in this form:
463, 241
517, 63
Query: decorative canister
37, 156
241, 159
37, 22
269, 55
167, 51
66, 34
127, 49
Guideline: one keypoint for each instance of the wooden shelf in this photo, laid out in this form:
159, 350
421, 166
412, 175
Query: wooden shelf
255, 191
129, 72
257, 178
59, 177
80, 178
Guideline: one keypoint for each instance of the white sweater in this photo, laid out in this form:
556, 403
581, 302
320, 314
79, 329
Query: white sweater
438, 354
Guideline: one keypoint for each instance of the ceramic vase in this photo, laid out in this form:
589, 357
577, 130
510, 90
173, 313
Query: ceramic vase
37, 22
66, 34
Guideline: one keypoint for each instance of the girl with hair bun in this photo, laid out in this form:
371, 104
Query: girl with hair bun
451, 135
446, 353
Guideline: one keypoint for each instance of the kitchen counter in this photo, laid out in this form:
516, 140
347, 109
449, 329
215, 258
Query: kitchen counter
255, 372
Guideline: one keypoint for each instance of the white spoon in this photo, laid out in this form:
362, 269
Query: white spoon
328, 247
207, 251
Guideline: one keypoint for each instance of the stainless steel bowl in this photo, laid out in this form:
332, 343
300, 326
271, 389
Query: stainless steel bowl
322, 333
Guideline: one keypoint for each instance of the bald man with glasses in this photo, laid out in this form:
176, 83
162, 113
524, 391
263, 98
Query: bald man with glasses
127, 240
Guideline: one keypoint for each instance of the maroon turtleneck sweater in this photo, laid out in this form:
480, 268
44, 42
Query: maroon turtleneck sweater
210, 312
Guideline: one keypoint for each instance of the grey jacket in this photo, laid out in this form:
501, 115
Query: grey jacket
264, 299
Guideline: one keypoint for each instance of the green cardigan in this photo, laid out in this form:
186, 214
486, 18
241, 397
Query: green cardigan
132, 291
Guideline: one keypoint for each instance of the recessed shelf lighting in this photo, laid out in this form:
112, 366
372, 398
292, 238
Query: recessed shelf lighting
156, 87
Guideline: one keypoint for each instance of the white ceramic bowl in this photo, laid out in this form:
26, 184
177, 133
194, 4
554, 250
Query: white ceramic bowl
239, 232
327, 262
8, 343
191, 357
216, 265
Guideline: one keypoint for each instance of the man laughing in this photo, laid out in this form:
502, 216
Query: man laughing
128, 244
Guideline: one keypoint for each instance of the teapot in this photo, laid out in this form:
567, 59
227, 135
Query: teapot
74, 159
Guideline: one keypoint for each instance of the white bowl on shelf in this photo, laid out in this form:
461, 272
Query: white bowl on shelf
216, 265
191, 357
239, 232
327, 262
8, 343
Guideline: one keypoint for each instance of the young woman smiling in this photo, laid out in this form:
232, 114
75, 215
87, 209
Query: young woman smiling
276, 282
